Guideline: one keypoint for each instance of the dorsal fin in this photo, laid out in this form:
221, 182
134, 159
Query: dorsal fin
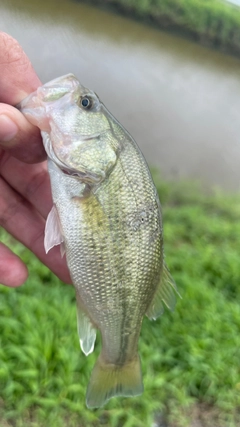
165, 293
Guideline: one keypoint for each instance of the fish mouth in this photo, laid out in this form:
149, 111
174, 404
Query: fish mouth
80, 174
76, 174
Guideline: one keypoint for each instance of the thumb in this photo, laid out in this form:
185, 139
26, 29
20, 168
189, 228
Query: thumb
18, 137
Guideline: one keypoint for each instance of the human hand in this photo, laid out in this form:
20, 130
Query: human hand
25, 195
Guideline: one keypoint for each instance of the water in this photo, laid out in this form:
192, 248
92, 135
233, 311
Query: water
236, 2
180, 101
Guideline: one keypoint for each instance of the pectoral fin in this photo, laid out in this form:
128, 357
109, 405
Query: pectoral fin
53, 234
86, 331
165, 293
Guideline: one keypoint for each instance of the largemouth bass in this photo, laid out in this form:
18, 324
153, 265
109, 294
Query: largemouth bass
106, 216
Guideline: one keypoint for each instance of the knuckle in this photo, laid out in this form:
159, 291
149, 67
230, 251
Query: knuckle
36, 241
11, 51
9, 210
38, 181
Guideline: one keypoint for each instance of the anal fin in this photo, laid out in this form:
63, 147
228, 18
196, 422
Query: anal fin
165, 294
86, 331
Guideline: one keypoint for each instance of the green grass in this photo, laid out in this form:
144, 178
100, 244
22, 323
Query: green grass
190, 357
211, 22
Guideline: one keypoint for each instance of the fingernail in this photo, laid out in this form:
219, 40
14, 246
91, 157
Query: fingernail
8, 129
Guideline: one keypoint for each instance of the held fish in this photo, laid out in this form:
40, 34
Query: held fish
106, 216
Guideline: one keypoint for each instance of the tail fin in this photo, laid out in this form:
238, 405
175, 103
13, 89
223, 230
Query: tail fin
109, 380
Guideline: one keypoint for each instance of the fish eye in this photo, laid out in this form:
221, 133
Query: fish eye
86, 102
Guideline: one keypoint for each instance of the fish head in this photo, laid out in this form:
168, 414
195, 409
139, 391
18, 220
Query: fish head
73, 122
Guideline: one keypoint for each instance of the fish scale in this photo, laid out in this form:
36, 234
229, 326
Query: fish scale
106, 217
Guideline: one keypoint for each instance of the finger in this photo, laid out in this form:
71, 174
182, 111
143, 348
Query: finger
18, 137
23, 222
31, 181
13, 271
18, 77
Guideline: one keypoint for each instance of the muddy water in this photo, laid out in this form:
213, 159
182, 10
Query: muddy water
180, 101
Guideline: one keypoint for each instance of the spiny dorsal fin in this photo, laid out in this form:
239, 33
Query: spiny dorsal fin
165, 293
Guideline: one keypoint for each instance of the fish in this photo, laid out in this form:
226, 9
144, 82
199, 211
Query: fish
106, 217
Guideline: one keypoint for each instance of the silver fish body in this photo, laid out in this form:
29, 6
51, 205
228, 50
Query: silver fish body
107, 216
